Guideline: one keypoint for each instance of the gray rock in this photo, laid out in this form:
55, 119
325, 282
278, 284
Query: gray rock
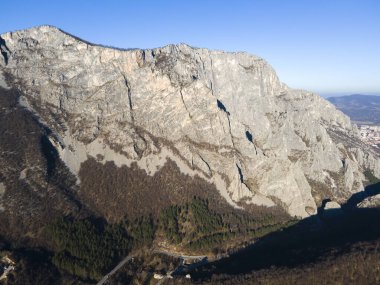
223, 116
332, 205
3, 83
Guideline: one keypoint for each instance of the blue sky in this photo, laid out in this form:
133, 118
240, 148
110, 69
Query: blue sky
326, 46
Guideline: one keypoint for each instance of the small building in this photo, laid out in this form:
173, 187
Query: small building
158, 276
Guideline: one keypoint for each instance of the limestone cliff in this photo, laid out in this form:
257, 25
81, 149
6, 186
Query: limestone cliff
223, 116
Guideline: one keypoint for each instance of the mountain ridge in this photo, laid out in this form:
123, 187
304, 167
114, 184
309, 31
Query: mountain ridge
55, 28
362, 109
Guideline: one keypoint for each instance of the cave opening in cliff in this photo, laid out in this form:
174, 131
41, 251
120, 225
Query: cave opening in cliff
222, 107
240, 174
249, 136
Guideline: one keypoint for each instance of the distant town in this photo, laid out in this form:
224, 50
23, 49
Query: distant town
370, 134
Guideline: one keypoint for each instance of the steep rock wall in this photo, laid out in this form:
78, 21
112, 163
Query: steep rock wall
225, 116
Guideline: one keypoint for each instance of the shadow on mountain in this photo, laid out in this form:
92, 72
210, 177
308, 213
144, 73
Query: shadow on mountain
331, 232
50, 153
321, 209
357, 198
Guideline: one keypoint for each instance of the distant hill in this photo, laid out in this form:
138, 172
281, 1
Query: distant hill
362, 109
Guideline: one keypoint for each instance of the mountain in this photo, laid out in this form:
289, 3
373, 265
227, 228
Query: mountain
362, 109
182, 147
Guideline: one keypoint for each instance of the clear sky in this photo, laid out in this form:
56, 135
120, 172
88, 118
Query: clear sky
326, 46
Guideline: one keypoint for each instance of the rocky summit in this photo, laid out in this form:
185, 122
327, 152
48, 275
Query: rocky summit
224, 118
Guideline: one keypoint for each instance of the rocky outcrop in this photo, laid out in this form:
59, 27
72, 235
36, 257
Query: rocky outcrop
225, 117
370, 202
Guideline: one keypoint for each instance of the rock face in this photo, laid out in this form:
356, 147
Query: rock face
225, 117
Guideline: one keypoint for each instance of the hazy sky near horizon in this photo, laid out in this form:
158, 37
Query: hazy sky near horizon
325, 46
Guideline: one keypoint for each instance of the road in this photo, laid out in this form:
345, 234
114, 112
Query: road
128, 258
113, 271
179, 255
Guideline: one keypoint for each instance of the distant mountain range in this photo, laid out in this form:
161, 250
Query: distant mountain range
362, 109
